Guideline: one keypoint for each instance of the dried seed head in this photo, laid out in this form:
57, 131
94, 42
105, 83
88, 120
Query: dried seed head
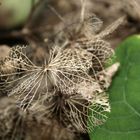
101, 51
14, 66
64, 70
70, 86
75, 110
68, 68
16, 124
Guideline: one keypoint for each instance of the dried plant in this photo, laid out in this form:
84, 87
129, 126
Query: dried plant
88, 102
69, 88
73, 110
71, 84
18, 125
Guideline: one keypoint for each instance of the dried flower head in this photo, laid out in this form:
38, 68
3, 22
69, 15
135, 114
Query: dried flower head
73, 111
18, 125
88, 103
73, 91
71, 85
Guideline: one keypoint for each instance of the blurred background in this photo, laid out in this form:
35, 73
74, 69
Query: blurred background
32, 21
36, 22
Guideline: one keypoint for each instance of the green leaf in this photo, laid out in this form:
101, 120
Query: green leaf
124, 120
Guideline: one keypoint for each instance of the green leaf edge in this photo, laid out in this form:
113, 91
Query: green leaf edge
116, 59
